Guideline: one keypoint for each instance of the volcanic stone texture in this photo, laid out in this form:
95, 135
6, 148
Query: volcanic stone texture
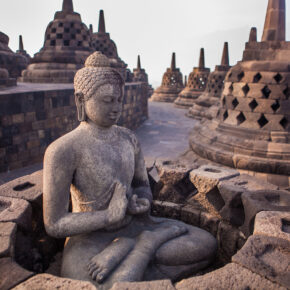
67, 44
31, 118
172, 84
9, 60
252, 130
196, 84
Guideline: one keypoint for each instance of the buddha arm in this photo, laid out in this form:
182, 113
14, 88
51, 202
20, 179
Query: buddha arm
140, 183
59, 166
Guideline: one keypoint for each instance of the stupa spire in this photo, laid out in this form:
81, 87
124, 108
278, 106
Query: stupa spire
139, 62
91, 28
67, 6
185, 81
274, 28
173, 61
201, 59
102, 26
225, 57
21, 47
253, 35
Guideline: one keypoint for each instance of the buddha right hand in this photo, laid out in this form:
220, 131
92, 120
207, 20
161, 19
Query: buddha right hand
118, 204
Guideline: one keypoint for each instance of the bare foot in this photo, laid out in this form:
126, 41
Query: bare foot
105, 262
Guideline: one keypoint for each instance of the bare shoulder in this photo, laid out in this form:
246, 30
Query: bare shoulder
131, 136
64, 149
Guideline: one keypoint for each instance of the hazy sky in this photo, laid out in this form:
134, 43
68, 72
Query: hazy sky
152, 28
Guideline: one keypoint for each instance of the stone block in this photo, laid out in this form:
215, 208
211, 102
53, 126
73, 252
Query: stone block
209, 223
229, 240
273, 224
268, 257
11, 274
46, 281
27, 187
7, 239
231, 191
15, 210
152, 285
232, 276
190, 215
262, 200
205, 179
166, 209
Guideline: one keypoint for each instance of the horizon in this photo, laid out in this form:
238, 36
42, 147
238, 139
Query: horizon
154, 40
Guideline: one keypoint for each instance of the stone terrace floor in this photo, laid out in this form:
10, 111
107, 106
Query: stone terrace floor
164, 134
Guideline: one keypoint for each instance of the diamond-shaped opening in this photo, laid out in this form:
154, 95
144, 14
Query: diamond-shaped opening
241, 118
66, 42
263, 121
59, 36
257, 78
240, 76
230, 75
246, 89
225, 115
266, 92
284, 123
253, 104
278, 78
224, 101
235, 103
275, 106
231, 88
52, 42
286, 92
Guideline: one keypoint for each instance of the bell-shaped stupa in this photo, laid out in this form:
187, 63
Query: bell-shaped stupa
252, 129
102, 42
139, 73
206, 105
196, 84
67, 44
14, 63
172, 84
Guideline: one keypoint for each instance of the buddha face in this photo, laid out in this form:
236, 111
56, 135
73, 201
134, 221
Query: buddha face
104, 107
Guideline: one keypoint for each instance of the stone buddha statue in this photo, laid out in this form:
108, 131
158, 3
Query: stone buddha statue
110, 235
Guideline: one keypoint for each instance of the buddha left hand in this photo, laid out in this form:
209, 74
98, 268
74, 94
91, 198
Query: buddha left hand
138, 205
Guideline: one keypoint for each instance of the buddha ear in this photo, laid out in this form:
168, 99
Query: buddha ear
80, 103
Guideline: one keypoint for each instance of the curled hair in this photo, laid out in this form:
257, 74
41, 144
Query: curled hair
97, 72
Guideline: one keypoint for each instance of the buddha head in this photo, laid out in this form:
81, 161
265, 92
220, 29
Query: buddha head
99, 91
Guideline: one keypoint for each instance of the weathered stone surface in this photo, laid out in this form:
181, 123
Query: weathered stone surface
46, 281
153, 285
192, 216
262, 200
268, 257
251, 130
114, 225
273, 224
28, 187
232, 276
205, 179
166, 209
172, 84
230, 240
11, 274
197, 81
231, 191
203, 106
209, 223
15, 210
7, 239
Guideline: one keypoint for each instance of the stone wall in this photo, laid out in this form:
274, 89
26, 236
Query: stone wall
32, 117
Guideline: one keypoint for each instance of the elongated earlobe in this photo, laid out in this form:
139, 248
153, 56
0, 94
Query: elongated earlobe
80, 103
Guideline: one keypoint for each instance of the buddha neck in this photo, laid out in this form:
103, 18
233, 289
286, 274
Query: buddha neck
102, 133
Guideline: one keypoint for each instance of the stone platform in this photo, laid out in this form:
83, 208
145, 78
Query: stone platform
34, 115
